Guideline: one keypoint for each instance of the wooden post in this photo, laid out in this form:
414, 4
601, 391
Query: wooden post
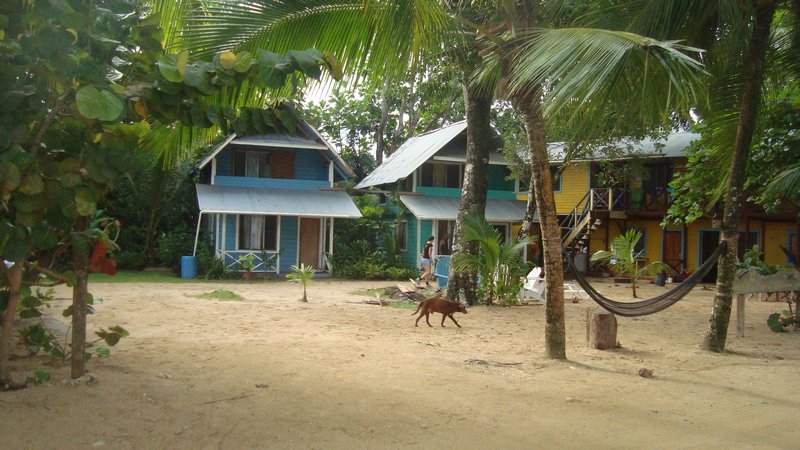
601, 329
740, 315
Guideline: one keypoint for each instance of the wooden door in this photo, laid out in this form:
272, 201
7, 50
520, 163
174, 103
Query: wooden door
673, 245
709, 240
309, 241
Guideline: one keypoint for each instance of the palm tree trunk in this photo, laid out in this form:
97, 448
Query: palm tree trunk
80, 259
530, 105
753, 78
476, 183
14, 279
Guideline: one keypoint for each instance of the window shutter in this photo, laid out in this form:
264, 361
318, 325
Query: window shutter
282, 165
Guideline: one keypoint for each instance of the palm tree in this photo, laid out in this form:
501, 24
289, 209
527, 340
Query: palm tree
302, 275
498, 263
622, 259
376, 39
743, 48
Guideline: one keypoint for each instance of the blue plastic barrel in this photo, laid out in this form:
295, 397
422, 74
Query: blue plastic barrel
188, 267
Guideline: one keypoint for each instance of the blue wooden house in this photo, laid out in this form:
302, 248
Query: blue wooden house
272, 196
428, 171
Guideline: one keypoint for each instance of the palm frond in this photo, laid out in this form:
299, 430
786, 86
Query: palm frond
597, 67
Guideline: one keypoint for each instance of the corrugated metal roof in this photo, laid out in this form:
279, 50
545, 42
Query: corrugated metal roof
446, 208
286, 141
673, 146
278, 140
284, 202
411, 155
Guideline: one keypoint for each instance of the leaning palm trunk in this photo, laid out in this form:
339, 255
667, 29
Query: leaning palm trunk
748, 113
530, 104
476, 183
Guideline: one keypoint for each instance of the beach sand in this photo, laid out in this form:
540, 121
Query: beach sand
270, 371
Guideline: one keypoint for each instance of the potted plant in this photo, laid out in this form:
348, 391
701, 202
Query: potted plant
247, 263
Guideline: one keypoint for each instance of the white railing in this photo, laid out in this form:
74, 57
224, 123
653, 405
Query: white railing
262, 261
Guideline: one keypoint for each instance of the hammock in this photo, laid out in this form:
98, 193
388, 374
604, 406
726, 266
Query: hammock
651, 305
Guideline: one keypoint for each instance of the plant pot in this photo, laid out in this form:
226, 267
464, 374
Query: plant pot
247, 275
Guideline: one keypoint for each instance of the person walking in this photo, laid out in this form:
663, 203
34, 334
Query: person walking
427, 259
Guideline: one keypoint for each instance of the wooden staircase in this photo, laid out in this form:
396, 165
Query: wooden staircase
588, 214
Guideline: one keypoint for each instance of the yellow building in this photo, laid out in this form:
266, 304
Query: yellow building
592, 214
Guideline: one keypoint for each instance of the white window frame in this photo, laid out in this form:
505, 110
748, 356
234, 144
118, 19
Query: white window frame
277, 233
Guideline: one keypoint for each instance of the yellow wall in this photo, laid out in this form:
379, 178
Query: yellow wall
771, 236
574, 186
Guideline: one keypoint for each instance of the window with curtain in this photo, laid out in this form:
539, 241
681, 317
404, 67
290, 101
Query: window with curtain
257, 232
252, 164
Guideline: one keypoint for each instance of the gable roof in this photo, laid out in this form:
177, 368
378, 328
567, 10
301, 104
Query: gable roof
673, 146
412, 154
310, 140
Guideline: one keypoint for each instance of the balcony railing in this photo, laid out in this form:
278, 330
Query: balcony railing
616, 199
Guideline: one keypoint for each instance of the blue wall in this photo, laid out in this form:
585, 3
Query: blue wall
288, 243
497, 179
309, 164
453, 192
276, 183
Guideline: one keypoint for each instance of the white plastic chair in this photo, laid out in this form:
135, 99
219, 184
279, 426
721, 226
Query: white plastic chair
533, 288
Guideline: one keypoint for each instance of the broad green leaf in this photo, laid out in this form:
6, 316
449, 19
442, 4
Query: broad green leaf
103, 352
102, 105
198, 78
308, 61
43, 238
172, 67
227, 59
243, 62
214, 114
9, 177
32, 184
774, 323
70, 277
334, 65
85, 202
16, 250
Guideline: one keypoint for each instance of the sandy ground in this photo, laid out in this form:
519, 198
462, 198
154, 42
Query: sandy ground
270, 371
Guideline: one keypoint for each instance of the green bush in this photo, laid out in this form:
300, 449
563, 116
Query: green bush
129, 260
401, 273
173, 245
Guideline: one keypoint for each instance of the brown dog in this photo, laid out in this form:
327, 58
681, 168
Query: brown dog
439, 305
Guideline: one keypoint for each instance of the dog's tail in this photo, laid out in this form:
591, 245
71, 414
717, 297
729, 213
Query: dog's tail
418, 307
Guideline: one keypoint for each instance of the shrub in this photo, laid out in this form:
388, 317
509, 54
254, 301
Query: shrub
401, 273
129, 259
173, 245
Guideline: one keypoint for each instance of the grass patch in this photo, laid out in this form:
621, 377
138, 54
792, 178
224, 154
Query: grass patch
138, 277
399, 304
220, 294
370, 292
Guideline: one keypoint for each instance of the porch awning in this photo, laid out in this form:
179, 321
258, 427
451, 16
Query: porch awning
446, 208
280, 202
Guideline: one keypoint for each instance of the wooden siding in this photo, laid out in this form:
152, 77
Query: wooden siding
288, 243
275, 183
308, 164
497, 179
410, 255
282, 164
574, 185
771, 235
453, 192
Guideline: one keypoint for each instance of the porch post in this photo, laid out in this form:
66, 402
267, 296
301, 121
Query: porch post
197, 233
